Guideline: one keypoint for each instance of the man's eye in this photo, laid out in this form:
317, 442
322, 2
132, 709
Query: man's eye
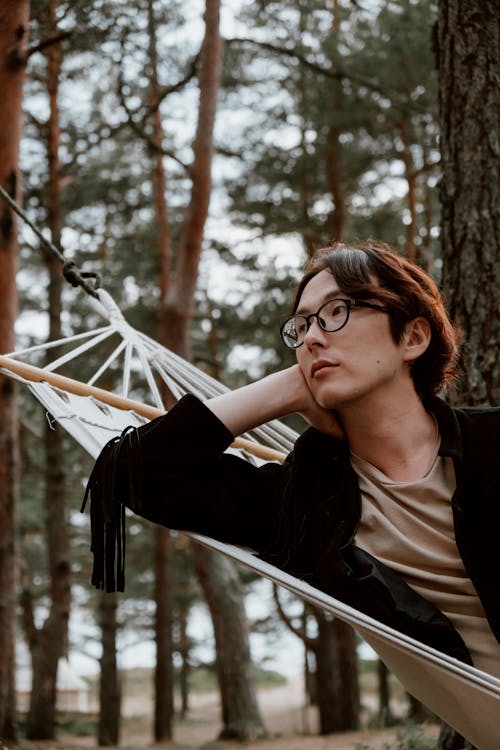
337, 309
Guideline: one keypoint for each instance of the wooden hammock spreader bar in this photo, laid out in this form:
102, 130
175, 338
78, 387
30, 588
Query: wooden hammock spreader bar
38, 375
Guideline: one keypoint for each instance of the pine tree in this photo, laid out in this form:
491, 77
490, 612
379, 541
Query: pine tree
14, 20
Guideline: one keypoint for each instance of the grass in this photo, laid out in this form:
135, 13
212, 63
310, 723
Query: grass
410, 737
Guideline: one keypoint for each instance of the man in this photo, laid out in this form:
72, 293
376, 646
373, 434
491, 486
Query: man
388, 502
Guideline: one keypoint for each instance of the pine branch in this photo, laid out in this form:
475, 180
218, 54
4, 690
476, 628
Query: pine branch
143, 135
405, 105
311, 643
139, 128
190, 73
48, 43
223, 151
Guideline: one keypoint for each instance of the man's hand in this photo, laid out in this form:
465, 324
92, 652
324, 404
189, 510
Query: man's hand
283, 392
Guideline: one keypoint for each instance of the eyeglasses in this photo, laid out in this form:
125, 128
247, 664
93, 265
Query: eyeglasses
331, 316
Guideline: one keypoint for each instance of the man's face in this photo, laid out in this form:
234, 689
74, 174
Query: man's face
358, 361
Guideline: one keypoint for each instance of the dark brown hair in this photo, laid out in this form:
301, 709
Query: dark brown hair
373, 270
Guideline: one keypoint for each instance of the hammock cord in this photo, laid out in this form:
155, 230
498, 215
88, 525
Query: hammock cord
70, 270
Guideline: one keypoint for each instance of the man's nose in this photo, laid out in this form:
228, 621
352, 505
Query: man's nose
315, 334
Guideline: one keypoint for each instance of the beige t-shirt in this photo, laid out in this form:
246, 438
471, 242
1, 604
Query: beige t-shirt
409, 527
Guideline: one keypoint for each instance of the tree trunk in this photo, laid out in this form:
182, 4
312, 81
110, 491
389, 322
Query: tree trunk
347, 658
14, 26
309, 233
51, 642
108, 733
337, 687
327, 676
468, 50
224, 594
334, 175
417, 712
410, 174
52, 639
162, 219
384, 714
449, 739
183, 649
164, 677
178, 303
424, 255
336, 219
309, 673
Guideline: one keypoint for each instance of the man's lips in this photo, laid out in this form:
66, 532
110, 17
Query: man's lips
321, 364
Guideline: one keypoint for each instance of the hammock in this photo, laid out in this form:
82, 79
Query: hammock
466, 698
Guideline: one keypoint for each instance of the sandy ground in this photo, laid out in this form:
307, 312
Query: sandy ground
290, 726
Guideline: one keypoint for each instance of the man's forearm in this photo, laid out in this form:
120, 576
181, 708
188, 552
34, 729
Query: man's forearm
269, 398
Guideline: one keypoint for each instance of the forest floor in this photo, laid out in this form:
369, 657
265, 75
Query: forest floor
290, 726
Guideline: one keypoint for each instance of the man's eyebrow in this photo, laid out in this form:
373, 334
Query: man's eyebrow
332, 294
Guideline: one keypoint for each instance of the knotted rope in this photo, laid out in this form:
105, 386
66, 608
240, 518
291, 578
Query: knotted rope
70, 270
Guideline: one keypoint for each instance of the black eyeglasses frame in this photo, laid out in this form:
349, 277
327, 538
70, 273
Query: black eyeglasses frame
349, 304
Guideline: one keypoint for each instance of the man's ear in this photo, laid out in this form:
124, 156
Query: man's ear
416, 338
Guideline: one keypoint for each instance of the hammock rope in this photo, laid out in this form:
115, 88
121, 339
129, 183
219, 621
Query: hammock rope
70, 270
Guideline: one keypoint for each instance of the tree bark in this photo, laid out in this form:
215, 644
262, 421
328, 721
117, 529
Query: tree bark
468, 51
327, 676
337, 686
336, 219
14, 27
424, 255
163, 675
449, 739
51, 641
417, 712
162, 219
108, 732
184, 649
384, 714
411, 178
334, 173
178, 302
309, 232
224, 594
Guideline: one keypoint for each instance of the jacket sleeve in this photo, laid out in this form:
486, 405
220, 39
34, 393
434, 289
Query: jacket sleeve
173, 471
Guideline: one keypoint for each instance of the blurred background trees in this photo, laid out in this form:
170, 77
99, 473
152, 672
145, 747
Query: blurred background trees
196, 162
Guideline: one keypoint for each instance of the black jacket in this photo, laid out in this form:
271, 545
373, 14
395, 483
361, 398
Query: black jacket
301, 516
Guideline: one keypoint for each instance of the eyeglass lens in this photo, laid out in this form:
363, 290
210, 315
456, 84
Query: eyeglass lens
331, 316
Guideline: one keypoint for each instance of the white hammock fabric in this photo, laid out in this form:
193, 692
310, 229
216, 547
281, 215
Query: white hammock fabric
466, 698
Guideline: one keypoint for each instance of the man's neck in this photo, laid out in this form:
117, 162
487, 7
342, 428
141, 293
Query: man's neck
396, 435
